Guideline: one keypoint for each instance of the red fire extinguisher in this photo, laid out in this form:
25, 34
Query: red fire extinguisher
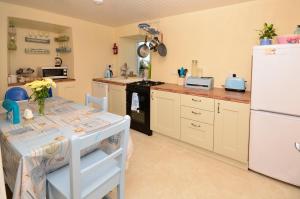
115, 49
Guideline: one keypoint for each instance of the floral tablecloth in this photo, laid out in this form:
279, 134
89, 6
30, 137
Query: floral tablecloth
38, 146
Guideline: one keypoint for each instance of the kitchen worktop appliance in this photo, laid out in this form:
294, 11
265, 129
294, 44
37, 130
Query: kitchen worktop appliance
54, 72
138, 105
234, 83
205, 83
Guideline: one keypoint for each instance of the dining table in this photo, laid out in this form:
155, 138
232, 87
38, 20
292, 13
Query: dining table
40, 145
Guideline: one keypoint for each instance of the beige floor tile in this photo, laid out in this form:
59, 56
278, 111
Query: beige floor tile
163, 168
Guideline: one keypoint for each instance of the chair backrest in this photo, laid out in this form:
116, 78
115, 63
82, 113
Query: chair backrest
16, 94
50, 93
101, 102
79, 143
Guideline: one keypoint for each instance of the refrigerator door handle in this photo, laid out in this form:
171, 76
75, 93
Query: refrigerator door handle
297, 146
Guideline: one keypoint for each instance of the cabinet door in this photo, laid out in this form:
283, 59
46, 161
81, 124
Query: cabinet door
197, 133
99, 89
68, 91
117, 99
165, 113
231, 133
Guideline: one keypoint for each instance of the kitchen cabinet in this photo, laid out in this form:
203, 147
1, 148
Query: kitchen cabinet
231, 130
67, 90
165, 113
197, 119
117, 99
197, 133
99, 89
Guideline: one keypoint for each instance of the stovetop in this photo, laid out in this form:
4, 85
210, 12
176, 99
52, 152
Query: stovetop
146, 83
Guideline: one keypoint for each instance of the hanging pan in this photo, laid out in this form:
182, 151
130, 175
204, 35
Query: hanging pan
161, 48
143, 50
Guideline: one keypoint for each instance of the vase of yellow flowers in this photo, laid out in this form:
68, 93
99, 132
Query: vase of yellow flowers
40, 91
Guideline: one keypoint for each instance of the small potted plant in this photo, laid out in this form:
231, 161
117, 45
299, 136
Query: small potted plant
267, 34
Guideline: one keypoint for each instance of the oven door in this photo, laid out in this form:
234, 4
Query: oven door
140, 117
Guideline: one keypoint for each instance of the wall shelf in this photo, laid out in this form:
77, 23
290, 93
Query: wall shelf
63, 50
36, 40
63, 38
36, 51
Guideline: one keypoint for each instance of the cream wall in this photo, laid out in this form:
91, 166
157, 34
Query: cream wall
220, 39
92, 45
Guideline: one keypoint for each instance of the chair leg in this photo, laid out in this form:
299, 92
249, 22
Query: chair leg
121, 191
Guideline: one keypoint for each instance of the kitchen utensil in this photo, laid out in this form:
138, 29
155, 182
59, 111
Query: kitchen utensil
154, 43
13, 79
161, 48
58, 62
143, 50
234, 83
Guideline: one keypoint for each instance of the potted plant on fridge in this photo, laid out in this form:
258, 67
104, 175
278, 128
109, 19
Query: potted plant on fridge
267, 34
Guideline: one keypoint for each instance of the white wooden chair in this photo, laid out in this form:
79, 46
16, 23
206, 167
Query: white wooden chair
96, 174
99, 102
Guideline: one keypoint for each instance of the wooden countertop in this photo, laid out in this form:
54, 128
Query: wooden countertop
55, 80
117, 81
216, 93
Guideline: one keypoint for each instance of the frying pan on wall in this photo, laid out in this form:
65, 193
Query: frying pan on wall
161, 48
143, 50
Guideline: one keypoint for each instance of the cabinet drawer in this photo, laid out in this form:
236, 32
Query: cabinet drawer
197, 114
197, 133
197, 102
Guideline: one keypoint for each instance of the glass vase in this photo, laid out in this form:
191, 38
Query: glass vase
41, 104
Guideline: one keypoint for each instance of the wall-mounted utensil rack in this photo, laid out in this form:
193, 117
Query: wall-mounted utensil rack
63, 38
63, 50
147, 28
36, 51
37, 40
63, 44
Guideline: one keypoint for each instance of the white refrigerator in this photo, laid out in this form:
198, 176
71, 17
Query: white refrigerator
275, 112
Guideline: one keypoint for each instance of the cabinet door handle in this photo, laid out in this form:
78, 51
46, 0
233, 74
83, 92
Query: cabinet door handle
196, 113
218, 107
195, 125
195, 100
297, 146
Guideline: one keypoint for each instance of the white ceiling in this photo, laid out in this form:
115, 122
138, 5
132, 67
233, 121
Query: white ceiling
121, 12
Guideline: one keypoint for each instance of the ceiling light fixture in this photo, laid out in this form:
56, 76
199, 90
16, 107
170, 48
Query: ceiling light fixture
98, 2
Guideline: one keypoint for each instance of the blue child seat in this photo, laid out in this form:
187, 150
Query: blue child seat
50, 92
16, 94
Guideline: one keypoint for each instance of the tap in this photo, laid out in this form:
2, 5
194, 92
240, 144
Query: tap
12, 109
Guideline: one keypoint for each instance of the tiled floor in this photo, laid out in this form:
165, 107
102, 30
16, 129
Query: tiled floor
163, 168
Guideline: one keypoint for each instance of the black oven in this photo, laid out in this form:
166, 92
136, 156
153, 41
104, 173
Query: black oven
140, 117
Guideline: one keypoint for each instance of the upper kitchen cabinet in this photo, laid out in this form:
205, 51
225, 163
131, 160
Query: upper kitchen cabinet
165, 113
33, 45
231, 129
117, 99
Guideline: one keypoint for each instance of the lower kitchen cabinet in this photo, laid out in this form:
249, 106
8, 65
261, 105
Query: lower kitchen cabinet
231, 129
117, 99
165, 113
197, 133
67, 90
99, 89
